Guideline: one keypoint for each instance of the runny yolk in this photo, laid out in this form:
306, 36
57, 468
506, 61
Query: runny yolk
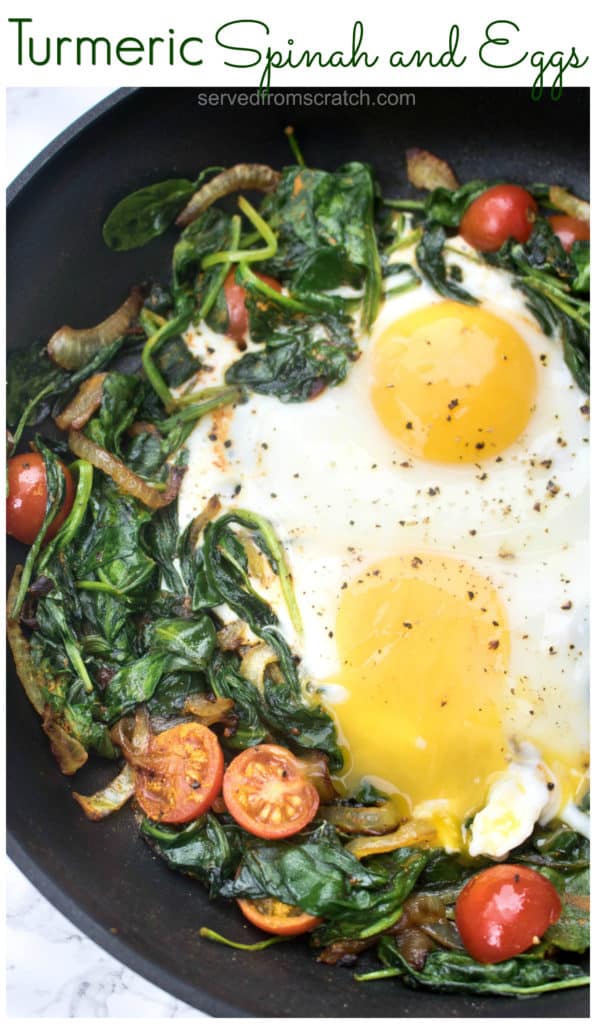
453, 383
424, 648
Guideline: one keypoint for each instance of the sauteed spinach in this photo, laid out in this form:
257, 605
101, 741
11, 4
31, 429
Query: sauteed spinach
127, 624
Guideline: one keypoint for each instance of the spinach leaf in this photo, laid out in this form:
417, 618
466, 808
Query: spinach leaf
452, 971
447, 206
190, 643
302, 355
287, 711
572, 931
176, 362
313, 210
315, 872
113, 545
429, 255
205, 849
121, 397
31, 382
134, 684
172, 690
226, 681
580, 254
146, 213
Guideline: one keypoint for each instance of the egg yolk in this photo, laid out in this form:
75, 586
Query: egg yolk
424, 648
453, 383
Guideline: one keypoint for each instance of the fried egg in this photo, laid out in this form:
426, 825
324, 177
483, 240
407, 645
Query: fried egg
434, 511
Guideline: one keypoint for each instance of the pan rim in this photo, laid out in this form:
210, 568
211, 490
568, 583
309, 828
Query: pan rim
123, 949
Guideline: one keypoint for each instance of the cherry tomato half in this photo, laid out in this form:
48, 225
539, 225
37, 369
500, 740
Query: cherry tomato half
277, 918
187, 775
236, 302
27, 497
502, 212
569, 229
505, 910
266, 791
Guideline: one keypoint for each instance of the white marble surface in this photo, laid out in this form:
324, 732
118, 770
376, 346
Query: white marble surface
53, 970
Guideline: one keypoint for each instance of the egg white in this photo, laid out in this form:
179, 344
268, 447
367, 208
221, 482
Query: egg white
342, 494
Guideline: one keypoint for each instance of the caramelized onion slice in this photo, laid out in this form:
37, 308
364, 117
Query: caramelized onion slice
69, 753
31, 677
208, 711
565, 201
111, 798
316, 769
85, 403
124, 477
425, 170
411, 833
258, 177
72, 349
363, 821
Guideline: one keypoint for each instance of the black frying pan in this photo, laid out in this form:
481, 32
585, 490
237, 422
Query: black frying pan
103, 876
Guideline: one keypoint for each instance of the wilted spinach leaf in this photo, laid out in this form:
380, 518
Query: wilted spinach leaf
452, 971
146, 213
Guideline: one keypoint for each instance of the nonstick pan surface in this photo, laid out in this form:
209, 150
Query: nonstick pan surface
103, 876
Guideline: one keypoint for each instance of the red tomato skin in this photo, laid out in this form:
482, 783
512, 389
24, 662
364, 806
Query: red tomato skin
569, 229
27, 496
273, 925
236, 302
502, 212
172, 800
502, 911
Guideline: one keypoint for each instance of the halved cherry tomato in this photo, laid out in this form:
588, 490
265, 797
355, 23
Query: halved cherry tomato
569, 229
505, 910
186, 777
236, 302
278, 918
266, 791
502, 212
27, 497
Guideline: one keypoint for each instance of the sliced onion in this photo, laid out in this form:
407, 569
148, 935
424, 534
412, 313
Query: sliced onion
84, 404
232, 636
72, 349
411, 833
31, 677
205, 516
69, 753
111, 798
255, 661
425, 170
316, 769
258, 177
563, 200
208, 710
363, 821
124, 477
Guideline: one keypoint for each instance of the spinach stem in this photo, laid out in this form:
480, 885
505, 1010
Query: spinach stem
213, 292
46, 390
246, 255
404, 204
75, 517
385, 972
279, 557
404, 241
78, 664
255, 284
196, 405
293, 141
252, 947
156, 337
